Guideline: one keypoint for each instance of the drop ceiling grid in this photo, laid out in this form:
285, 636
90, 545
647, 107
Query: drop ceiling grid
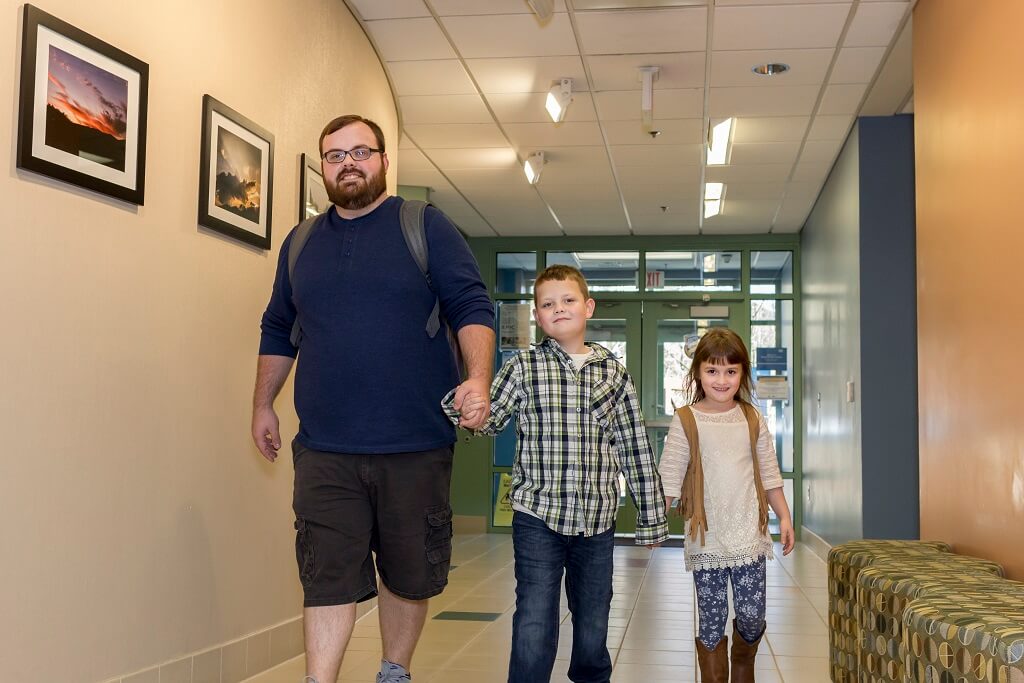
464, 130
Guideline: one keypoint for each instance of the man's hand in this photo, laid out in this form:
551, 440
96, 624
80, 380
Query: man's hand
786, 535
472, 400
265, 432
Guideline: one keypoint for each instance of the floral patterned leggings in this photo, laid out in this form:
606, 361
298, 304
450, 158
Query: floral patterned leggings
748, 596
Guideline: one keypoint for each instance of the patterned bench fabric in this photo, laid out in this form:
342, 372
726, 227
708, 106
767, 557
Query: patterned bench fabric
844, 564
969, 636
883, 591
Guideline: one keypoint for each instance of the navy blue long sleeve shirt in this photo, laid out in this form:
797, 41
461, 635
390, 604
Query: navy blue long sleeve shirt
368, 378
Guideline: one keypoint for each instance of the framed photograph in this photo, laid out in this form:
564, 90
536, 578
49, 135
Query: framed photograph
236, 175
82, 109
313, 199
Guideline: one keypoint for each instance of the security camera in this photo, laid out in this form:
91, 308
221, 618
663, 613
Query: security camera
654, 133
727, 257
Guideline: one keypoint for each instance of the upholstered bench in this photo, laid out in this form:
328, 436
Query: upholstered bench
968, 636
883, 591
845, 562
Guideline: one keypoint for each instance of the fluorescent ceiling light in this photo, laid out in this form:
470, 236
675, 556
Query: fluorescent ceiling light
631, 256
713, 190
712, 207
558, 99
710, 263
648, 74
533, 166
718, 149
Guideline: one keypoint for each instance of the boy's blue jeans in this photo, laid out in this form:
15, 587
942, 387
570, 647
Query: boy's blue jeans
541, 555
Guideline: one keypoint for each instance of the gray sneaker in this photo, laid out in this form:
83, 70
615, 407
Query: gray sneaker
392, 673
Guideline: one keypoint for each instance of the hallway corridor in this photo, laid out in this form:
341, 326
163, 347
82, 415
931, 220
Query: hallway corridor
467, 635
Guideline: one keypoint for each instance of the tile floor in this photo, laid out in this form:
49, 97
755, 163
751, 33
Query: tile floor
652, 622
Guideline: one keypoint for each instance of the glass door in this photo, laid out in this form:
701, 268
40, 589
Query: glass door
668, 328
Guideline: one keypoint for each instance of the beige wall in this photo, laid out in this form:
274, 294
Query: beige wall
137, 522
970, 145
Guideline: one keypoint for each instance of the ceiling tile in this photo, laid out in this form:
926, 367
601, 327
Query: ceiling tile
534, 229
410, 159
650, 197
466, 177
582, 193
494, 157
529, 137
575, 165
781, 27
526, 74
409, 39
596, 225
667, 224
655, 155
779, 101
483, 195
735, 226
811, 172
678, 174
421, 177
595, 207
875, 24
431, 77
857, 64
510, 35
842, 99
672, 30
753, 173
769, 129
528, 107
624, 105
443, 109
447, 8
735, 68
764, 153
389, 9
772, 190
455, 135
620, 72
820, 151
830, 127
672, 132
735, 3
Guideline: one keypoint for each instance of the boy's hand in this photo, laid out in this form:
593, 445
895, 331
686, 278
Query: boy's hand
786, 536
472, 400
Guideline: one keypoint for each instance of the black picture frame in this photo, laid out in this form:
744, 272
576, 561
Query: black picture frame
82, 109
313, 199
236, 175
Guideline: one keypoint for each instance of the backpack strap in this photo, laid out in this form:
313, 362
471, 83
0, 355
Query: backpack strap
295, 247
411, 214
691, 498
754, 427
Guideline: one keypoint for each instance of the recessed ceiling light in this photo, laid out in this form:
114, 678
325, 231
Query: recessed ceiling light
770, 69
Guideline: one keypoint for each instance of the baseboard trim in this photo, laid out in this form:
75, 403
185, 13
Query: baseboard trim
818, 545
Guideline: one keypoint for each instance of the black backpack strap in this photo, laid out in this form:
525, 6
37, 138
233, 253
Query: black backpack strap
411, 214
295, 247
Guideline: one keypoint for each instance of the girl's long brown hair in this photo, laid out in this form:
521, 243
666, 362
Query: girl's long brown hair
720, 346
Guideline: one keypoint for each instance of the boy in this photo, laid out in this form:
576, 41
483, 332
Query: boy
579, 425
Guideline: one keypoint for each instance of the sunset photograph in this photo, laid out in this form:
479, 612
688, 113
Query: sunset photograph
86, 110
238, 176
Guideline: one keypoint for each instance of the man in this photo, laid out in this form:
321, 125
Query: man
373, 454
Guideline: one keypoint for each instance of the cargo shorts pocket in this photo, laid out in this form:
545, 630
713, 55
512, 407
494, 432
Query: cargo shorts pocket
305, 552
439, 542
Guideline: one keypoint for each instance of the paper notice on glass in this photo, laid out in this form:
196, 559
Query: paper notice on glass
514, 326
774, 388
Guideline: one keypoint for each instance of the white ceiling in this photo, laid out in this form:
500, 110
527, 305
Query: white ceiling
470, 78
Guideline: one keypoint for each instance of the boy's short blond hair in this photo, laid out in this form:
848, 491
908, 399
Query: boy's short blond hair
561, 273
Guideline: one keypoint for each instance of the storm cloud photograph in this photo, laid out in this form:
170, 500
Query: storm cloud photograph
238, 176
86, 110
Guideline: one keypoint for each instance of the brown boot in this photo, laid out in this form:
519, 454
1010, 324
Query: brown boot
743, 654
714, 664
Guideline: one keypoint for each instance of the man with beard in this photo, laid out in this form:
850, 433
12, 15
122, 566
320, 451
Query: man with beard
373, 455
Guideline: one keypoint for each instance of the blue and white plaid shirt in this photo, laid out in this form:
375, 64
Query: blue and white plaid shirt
577, 430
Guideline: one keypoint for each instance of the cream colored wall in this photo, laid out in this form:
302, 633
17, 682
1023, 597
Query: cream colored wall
137, 521
968, 109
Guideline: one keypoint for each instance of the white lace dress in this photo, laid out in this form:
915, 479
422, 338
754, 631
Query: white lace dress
730, 498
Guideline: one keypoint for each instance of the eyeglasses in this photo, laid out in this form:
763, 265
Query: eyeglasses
336, 156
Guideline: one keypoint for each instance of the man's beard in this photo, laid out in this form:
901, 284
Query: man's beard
357, 197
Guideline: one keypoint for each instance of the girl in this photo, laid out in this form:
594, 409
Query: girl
716, 442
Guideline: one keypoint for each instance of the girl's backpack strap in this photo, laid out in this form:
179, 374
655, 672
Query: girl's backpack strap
691, 498
754, 427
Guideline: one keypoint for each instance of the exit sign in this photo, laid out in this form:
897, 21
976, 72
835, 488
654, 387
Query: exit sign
655, 279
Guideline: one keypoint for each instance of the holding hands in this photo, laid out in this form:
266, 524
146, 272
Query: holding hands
472, 400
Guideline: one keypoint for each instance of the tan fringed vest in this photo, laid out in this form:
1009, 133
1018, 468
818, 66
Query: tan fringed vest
691, 498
